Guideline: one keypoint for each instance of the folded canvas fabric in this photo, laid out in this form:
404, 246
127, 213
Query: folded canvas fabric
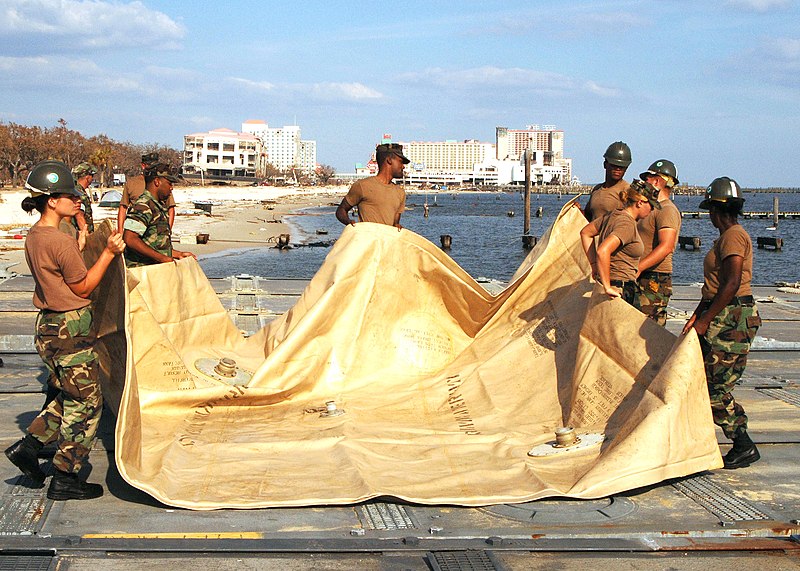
396, 374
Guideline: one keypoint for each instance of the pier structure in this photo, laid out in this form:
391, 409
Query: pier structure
703, 520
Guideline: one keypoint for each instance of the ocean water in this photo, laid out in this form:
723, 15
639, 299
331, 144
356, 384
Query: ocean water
487, 242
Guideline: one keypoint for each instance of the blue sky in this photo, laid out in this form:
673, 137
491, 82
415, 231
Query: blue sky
713, 86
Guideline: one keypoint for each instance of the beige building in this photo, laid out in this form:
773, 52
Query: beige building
220, 152
223, 152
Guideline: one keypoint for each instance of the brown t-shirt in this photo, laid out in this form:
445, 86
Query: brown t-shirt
668, 217
604, 200
735, 241
625, 259
55, 261
376, 201
133, 189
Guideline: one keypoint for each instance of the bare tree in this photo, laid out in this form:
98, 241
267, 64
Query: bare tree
20, 148
23, 146
325, 173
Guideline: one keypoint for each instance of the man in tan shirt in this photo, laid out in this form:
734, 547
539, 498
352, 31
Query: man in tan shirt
377, 197
605, 196
133, 189
659, 232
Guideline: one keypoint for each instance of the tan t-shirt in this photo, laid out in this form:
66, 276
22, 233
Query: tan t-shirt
376, 201
625, 259
133, 189
735, 241
668, 217
604, 200
55, 261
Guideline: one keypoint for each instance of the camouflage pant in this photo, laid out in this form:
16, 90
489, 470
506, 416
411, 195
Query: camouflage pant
725, 346
64, 344
627, 290
655, 289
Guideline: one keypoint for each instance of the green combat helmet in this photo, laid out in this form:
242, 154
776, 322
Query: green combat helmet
724, 191
50, 177
618, 154
662, 166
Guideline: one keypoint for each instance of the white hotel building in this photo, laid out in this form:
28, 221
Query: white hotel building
223, 152
502, 163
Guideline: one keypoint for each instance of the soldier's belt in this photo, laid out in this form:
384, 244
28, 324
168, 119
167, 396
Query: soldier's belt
651, 274
736, 300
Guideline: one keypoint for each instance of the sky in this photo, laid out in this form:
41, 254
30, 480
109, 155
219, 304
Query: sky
713, 86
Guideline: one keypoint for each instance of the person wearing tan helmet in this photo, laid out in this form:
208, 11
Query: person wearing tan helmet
83, 174
614, 256
147, 232
377, 197
133, 189
659, 232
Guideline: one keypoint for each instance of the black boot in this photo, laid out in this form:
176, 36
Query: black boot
66, 486
23, 454
743, 453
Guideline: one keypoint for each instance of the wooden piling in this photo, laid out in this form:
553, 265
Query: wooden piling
769, 242
526, 225
446, 241
283, 242
685, 241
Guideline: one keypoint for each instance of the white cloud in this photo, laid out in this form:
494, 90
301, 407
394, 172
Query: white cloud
58, 73
497, 79
347, 91
759, 5
46, 26
775, 60
257, 85
330, 91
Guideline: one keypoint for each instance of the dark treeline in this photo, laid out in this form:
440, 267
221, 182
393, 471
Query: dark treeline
22, 146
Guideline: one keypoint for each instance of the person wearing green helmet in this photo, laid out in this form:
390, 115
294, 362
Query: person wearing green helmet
659, 232
605, 196
726, 319
64, 338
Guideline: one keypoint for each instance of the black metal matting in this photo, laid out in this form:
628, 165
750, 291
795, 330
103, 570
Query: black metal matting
786, 395
760, 381
23, 508
22, 373
464, 561
383, 515
719, 500
566, 512
25, 562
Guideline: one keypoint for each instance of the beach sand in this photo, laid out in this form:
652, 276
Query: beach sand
241, 217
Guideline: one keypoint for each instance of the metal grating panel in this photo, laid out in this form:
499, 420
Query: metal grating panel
463, 561
246, 301
786, 395
719, 500
23, 509
248, 322
381, 515
25, 562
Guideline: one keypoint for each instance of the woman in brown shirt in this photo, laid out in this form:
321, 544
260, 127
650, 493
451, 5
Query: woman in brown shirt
63, 335
726, 319
615, 255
